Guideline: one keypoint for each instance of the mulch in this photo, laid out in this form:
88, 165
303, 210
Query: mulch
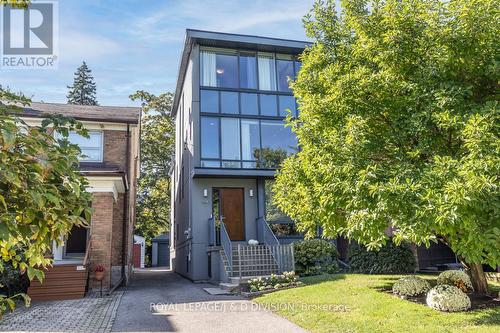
478, 301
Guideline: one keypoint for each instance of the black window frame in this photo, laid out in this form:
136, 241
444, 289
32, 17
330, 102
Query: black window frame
259, 117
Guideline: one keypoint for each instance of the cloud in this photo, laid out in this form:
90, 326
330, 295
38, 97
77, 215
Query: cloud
168, 23
79, 45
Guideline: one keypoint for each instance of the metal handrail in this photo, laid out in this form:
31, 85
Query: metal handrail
266, 235
227, 246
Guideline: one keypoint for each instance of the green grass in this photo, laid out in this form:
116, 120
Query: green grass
368, 309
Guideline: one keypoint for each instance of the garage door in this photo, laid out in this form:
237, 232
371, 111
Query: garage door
163, 255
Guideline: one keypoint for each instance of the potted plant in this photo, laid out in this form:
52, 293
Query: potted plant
99, 272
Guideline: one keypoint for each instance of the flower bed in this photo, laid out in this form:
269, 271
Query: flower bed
447, 295
274, 282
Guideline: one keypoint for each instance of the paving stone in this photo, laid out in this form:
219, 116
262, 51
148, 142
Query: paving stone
90, 314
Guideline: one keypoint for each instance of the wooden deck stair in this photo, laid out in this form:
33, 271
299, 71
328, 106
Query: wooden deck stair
64, 281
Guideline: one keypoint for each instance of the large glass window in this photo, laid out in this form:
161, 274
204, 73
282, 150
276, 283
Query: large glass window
287, 103
210, 164
278, 142
247, 143
249, 104
248, 71
219, 68
229, 102
273, 213
230, 135
267, 71
209, 137
207, 68
250, 139
209, 101
298, 65
284, 64
268, 105
242, 135
91, 148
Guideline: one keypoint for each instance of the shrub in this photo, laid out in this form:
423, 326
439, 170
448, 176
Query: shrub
315, 256
288, 279
411, 286
456, 278
448, 298
12, 282
390, 259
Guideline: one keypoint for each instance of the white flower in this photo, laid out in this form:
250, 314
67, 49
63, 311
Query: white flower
411, 286
456, 278
448, 298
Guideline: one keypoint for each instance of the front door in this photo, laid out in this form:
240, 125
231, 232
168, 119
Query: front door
231, 207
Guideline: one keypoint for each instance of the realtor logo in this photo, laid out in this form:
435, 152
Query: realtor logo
29, 36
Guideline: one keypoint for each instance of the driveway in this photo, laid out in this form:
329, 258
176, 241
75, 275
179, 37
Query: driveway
162, 301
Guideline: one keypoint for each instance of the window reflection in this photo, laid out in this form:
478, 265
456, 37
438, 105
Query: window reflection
287, 103
249, 104
209, 101
230, 136
209, 137
248, 71
285, 71
229, 102
268, 105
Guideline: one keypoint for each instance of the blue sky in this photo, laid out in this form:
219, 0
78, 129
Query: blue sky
132, 45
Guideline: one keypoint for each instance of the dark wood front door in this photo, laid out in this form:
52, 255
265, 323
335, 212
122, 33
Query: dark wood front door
232, 212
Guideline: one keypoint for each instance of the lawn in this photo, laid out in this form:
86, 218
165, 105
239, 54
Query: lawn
363, 307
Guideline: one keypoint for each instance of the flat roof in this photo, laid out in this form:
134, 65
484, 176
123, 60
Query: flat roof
229, 40
114, 114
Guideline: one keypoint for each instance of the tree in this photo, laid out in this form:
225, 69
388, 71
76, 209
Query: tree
83, 90
157, 149
399, 127
42, 194
15, 3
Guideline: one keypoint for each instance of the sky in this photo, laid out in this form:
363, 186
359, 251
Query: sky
136, 45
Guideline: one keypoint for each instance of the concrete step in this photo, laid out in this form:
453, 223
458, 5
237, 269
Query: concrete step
228, 286
244, 279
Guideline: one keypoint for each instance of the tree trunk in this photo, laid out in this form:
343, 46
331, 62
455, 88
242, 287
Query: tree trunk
478, 278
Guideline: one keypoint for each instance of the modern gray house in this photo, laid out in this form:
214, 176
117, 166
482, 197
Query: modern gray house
231, 99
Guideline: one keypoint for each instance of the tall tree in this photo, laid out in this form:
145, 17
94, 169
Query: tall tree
399, 126
42, 194
157, 149
83, 90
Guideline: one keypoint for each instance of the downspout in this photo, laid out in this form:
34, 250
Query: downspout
125, 208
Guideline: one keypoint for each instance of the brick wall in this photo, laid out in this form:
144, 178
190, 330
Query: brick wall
107, 219
115, 148
101, 233
116, 250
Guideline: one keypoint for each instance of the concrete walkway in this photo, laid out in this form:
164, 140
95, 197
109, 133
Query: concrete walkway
162, 301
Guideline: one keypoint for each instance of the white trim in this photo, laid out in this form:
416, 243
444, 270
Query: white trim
113, 185
89, 125
57, 135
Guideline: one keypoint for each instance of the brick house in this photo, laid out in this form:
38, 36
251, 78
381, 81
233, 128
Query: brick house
110, 162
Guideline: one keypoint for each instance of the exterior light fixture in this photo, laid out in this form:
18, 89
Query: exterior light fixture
220, 71
205, 192
251, 193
